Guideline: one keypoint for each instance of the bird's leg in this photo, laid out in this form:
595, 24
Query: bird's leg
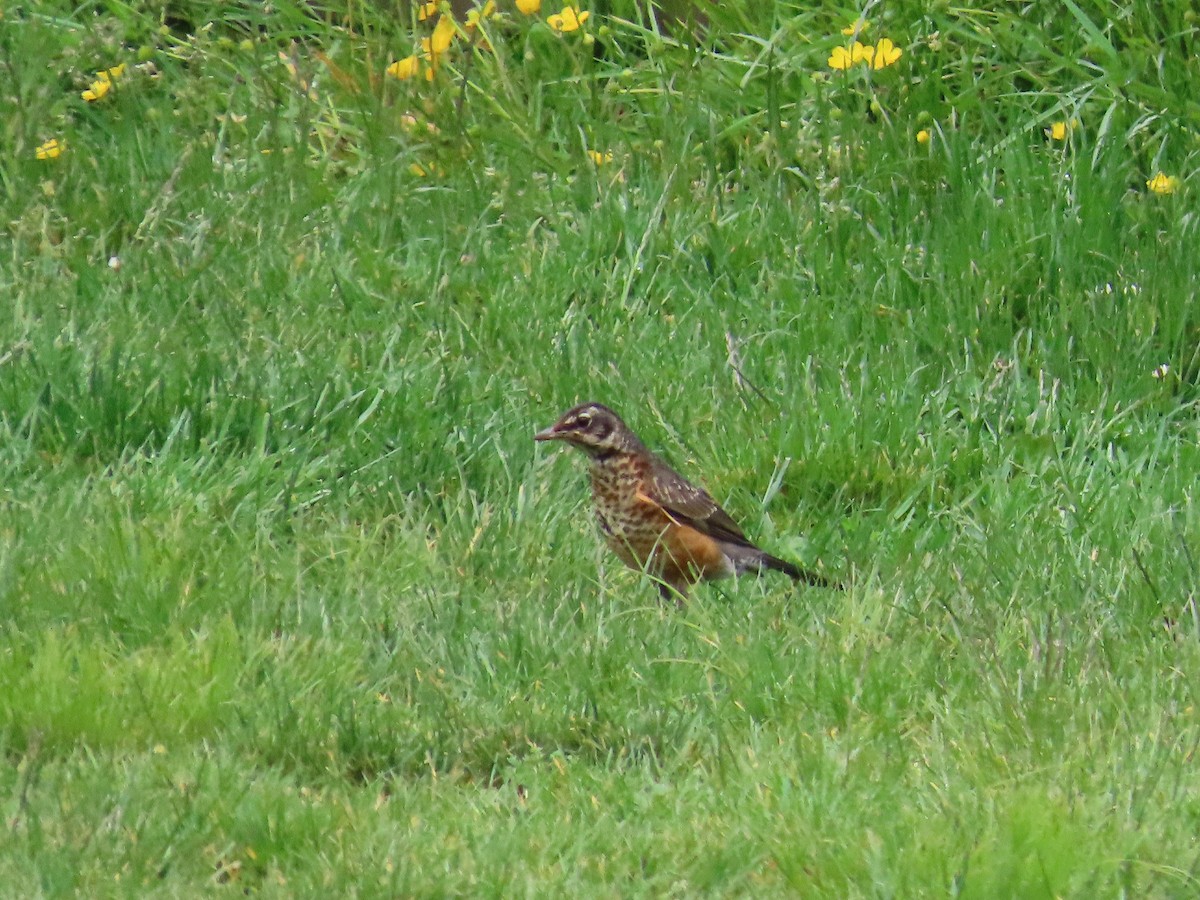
672, 594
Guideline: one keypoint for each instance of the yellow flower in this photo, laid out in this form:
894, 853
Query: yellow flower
432, 50
425, 10
923, 136
858, 26
600, 158
477, 15
529, 7
570, 19
1058, 131
99, 88
443, 36
52, 149
429, 58
103, 83
426, 171
885, 54
841, 59
405, 68
1163, 184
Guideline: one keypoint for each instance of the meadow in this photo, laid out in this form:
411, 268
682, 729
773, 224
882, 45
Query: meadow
292, 604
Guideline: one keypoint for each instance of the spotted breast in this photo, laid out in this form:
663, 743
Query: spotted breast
631, 530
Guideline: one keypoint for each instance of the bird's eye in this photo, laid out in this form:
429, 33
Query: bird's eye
584, 419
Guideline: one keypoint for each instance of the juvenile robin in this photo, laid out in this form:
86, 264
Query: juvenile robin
653, 518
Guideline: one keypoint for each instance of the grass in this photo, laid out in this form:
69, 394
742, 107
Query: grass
293, 605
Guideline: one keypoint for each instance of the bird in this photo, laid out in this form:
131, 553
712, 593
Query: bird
653, 518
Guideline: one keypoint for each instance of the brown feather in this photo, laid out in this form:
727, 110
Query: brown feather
691, 505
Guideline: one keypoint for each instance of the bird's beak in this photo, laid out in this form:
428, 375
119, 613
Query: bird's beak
548, 434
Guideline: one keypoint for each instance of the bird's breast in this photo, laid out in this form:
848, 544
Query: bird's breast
620, 512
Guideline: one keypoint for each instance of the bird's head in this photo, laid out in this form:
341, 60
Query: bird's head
594, 429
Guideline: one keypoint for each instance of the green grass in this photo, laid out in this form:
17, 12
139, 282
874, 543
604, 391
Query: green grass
294, 606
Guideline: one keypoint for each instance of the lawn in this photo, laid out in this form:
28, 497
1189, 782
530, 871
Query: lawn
292, 603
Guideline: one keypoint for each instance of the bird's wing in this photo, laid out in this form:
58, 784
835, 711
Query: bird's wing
690, 505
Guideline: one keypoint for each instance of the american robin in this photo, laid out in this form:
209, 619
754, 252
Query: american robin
652, 517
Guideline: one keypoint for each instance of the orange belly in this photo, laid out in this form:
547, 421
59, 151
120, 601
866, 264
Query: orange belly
689, 556
650, 540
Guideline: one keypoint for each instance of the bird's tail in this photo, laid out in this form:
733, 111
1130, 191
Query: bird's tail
793, 571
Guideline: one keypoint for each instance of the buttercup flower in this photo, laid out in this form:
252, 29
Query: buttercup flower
885, 53
600, 158
477, 15
1163, 184
432, 50
97, 90
52, 149
882, 54
529, 7
443, 37
570, 19
841, 59
1059, 130
425, 10
425, 171
103, 83
405, 68
858, 26
923, 136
